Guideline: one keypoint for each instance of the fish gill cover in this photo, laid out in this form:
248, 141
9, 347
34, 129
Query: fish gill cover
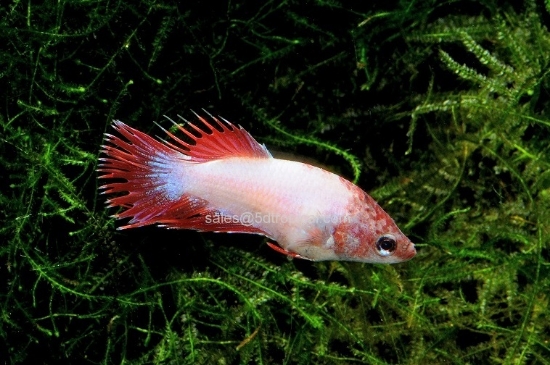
438, 109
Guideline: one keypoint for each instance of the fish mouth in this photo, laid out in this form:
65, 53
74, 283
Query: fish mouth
410, 252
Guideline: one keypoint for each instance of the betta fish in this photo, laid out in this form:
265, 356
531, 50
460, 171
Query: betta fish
218, 178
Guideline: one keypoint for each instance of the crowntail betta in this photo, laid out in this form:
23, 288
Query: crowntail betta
220, 179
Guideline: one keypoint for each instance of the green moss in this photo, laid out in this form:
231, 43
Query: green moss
443, 118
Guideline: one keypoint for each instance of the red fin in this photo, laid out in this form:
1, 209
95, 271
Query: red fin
290, 254
144, 169
152, 174
214, 144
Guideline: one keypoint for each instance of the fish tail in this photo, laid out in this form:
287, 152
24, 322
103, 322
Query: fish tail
151, 177
151, 173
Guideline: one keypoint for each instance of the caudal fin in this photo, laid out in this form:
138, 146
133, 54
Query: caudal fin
151, 174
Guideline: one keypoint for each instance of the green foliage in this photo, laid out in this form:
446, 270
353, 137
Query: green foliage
442, 117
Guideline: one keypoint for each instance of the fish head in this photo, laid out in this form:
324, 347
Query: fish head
363, 244
369, 234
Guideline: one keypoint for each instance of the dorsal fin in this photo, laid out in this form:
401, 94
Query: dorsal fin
213, 144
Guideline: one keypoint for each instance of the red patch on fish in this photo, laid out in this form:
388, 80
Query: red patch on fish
222, 180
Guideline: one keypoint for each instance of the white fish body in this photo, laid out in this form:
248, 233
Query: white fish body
227, 182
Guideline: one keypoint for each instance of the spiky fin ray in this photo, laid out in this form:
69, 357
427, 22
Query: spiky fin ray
231, 141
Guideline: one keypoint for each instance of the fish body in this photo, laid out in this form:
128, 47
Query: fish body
225, 181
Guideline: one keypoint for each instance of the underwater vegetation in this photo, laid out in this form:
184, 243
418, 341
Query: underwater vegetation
438, 109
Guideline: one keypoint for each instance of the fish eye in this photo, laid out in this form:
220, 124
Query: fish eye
386, 245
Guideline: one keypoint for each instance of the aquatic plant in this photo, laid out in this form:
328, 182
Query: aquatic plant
443, 118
